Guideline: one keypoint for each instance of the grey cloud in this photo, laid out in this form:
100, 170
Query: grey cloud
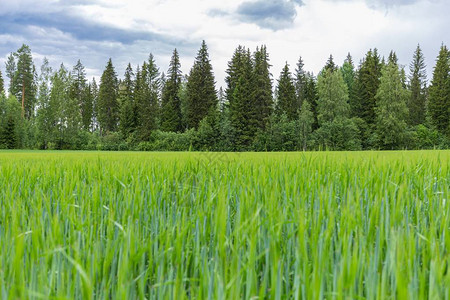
271, 14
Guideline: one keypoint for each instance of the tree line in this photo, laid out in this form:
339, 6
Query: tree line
374, 105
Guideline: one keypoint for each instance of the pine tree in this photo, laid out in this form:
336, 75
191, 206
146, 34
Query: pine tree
417, 86
439, 92
23, 84
330, 65
262, 97
286, 98
108, 106
391, 109
171, 105
201, 95
128, 120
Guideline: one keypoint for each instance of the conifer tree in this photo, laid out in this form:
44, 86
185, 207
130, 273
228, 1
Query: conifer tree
171, 104
300, 82
23, 85
439, 92
10, 71
79, 94
286, 98
128, 120
2, 85
93, 87
417, 86
240, 97
108, 106
201, 96
348, 73
263, 99
366, 85
391, 109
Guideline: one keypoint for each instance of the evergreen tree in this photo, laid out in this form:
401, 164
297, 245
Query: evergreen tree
128, 119
79, 93
59, 97
2, 85
171, 105
330, 65
10, 71
286, 98
391, 109
240, 92
23, 84
311, 96
301, 78
148, 85
108, 106
366, 87
439, 92
263, 99
348, 73
201, 96
417, 87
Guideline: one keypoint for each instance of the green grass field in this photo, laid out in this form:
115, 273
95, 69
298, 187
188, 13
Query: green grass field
350, 225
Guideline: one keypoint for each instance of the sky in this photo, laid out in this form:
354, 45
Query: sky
129, 30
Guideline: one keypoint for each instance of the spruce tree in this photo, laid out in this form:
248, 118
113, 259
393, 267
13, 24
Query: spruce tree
79, 94
286, 98
417, 87
300, 82
366, 85
10, 71
240, 92
391, 109
201, 96
108, 106
439, 92
171, 104
262, 96
311, 96
348, 73
128, 118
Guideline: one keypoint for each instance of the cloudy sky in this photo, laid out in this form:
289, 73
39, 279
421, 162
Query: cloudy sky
128, 30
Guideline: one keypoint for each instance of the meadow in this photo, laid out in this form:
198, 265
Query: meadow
133, 225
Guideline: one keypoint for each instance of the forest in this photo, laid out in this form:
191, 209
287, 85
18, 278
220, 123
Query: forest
373, 105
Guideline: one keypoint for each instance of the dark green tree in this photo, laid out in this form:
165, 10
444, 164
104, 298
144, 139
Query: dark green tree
240, 92
301, 81
366, 87
439, 92
286, 98
418, 87
305, 125
2, 85
201, 95
108, 109
262, 96
79, 92
128, 118
348, 73
171, 104
10, 71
